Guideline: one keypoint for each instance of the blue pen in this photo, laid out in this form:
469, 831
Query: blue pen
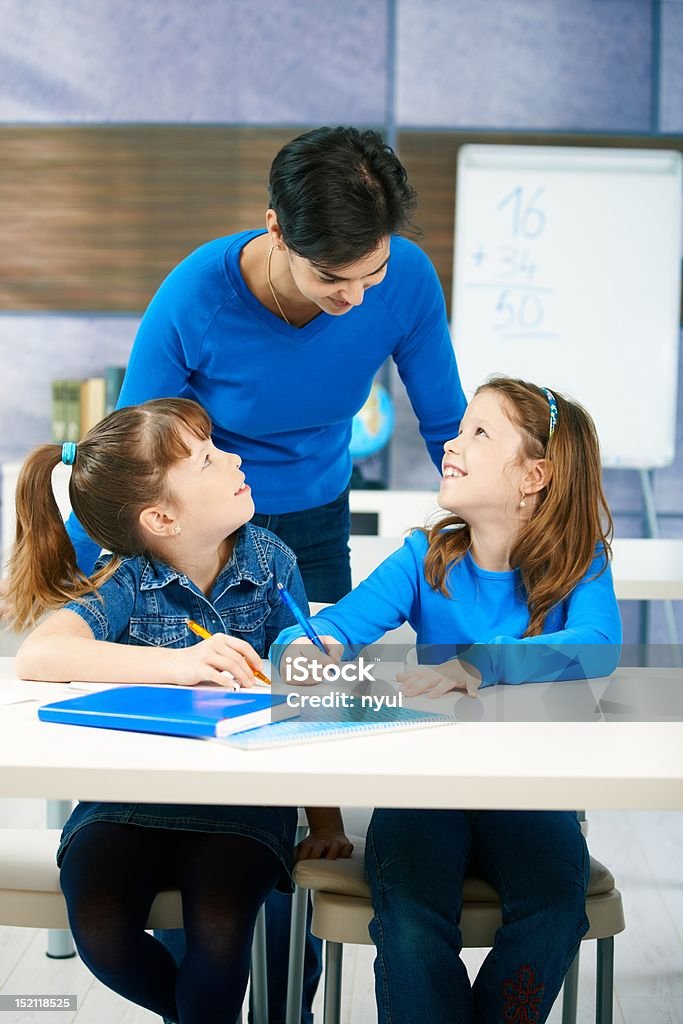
301, 618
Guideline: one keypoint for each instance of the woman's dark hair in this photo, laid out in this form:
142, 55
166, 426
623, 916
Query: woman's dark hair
120, 468
337, 193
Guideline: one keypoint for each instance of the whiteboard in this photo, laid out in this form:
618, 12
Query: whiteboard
568, 274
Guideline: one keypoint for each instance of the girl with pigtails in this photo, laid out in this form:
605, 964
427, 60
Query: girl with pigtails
149, 486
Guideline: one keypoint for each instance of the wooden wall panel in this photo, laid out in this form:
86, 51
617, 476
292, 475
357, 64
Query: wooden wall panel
92, 218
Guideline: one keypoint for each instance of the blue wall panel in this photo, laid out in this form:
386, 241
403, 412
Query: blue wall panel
256, 62
671, 64
43, 348
548, 64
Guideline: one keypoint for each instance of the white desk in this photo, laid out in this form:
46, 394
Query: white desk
648, 569
644, 569
483, 764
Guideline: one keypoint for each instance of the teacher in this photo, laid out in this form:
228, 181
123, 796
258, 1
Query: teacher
278, 334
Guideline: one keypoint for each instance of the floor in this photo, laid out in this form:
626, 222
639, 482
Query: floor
644, 850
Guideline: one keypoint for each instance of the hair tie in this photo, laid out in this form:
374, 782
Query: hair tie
553, 410
69, 453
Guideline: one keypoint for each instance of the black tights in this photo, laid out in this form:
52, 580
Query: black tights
110, 876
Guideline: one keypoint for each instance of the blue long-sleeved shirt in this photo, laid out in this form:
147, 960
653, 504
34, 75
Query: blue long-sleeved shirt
283, 397
483, 620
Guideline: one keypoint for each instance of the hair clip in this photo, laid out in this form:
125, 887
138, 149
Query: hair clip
553, 410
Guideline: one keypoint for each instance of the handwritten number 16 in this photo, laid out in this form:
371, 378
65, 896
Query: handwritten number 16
528, 220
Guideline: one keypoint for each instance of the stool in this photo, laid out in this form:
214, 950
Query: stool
30, 897
342, 912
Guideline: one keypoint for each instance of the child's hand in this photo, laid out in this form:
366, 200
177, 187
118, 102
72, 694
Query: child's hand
300, 661
324, 844
220, 659
436, 680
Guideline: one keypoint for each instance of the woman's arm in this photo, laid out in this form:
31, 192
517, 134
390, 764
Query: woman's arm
426, 362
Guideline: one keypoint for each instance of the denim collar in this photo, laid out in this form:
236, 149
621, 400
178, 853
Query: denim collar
247, 562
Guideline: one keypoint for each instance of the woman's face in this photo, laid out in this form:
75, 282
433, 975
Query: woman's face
336, 290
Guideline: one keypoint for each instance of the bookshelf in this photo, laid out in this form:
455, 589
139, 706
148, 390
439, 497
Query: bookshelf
77, 405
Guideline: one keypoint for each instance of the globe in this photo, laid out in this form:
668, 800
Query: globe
373, 425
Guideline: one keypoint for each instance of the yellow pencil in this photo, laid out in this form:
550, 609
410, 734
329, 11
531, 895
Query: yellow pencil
204, 634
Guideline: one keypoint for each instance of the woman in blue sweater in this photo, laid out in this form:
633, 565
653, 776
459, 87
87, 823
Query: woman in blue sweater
278, 334
514, 586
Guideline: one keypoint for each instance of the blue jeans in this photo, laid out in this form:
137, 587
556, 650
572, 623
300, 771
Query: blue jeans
416, 862
319, 537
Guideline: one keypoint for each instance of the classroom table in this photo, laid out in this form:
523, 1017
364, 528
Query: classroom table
644, 569
598, 761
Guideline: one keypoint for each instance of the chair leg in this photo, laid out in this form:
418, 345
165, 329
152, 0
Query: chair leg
604, 995
334, 952
297, 951
297, 940
259, 970
570, 991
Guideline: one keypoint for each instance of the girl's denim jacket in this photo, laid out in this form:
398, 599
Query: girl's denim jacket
147, 602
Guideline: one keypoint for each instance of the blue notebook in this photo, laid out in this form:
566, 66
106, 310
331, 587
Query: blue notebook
180, 711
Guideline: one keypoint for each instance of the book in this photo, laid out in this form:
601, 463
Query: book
113, 378
58, 412
336, 724
92, 403
71, 392
175, 711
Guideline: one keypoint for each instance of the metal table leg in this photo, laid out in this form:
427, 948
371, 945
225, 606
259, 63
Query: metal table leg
60, 945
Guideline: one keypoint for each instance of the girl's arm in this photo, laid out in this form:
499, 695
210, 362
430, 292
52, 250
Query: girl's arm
385, 600
63, 647
586, 647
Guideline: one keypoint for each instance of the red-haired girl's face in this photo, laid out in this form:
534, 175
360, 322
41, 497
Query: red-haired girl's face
483, 477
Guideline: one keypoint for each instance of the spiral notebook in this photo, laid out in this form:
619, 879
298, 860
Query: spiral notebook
339, 724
